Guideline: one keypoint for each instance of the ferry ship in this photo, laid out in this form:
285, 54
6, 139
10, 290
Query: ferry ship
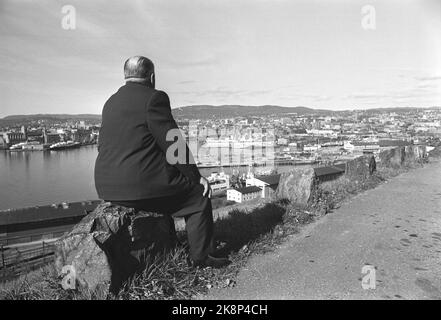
237, 144
17, 146
64, 145
27, 146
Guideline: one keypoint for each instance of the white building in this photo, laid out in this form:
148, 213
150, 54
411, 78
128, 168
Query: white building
320, 132
311, 148
243, 194
267, 183
219, 181
282, 141
361, 146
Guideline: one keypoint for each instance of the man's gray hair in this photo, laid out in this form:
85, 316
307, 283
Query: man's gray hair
137, 68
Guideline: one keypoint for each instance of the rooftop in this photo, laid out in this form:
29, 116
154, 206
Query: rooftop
250, 189
324, 171
393, 143
270, 179
341, 166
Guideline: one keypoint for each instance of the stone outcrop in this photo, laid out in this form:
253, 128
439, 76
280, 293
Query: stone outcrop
392, 158
361, 167
409, 153
414, 153
399, 156
112, 243
298, 185
421, 152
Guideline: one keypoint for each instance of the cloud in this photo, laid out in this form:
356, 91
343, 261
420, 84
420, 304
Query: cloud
222, 92
186, 82
210, 51
191, 62
427, 85
407, 93
365, 96
430, 78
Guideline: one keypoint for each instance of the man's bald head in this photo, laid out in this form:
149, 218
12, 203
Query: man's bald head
138, 69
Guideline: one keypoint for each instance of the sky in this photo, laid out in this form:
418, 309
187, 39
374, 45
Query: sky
250, 52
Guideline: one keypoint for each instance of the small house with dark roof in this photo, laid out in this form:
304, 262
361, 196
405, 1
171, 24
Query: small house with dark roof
341, 166
268, 184
393, 143
329, 173
243, 194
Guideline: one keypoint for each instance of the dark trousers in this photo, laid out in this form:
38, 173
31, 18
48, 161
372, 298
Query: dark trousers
190, 205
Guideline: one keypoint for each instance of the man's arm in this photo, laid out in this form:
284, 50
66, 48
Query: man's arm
160, 121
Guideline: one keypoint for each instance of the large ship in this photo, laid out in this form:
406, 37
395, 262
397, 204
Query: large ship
17, 146
237, 143
64, 145
28, 146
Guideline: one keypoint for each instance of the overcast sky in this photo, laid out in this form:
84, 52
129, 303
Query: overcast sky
251, 52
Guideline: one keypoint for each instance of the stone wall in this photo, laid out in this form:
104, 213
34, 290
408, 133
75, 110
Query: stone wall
420, 152
111, 244
392, 158
401, 156
298, 185
361, 167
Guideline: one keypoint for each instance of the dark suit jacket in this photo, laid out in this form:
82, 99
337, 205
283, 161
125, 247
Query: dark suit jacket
131, 162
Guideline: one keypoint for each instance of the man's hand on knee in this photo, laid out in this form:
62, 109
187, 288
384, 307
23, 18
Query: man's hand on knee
207, 189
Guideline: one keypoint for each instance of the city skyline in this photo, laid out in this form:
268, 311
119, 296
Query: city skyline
300, 53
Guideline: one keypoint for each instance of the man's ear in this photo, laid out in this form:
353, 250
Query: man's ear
152, 79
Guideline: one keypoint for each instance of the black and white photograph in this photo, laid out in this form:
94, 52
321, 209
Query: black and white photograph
220, 155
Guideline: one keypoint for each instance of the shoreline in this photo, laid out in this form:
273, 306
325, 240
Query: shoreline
48, 149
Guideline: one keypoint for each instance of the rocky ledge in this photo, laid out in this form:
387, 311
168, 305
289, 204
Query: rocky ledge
111, 244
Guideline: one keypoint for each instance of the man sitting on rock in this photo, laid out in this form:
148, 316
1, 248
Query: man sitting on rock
132, 170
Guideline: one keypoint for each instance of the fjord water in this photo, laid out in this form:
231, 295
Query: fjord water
40, 178
31, 178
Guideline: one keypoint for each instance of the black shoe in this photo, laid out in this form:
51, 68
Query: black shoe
212, 262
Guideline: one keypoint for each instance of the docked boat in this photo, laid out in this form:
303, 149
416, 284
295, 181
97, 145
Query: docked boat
18, 146
237, 144
64, 145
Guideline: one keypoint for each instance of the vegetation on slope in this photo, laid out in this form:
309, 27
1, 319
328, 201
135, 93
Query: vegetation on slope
240, 236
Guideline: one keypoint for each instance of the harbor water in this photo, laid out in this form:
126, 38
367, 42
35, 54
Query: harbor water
30, 178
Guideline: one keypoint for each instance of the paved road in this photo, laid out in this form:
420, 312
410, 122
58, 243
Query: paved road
396, 228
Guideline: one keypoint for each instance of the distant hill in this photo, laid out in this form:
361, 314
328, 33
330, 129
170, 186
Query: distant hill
53, 116
191, 112
396, 109
208, 111
231, 111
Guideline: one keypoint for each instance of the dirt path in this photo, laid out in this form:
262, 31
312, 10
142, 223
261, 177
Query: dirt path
396, 228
